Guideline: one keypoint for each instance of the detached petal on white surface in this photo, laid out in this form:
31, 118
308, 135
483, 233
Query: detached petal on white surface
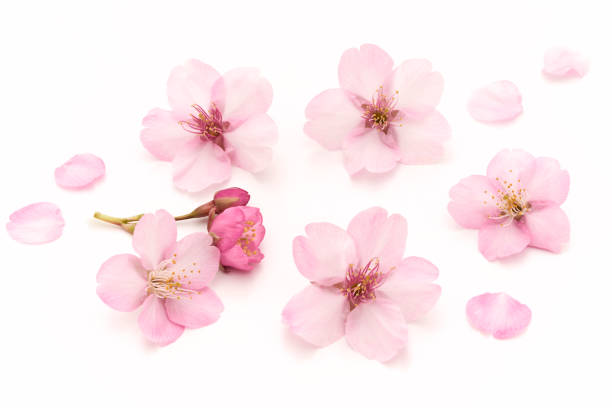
80, 171
562, 62
498, 314
498, 101
37, 223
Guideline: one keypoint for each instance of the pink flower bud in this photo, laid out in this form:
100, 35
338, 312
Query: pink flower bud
230, 197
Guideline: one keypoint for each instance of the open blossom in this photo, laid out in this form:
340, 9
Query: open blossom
380, 116
215, 121
238, 232
169, 279
517, 204
361, 286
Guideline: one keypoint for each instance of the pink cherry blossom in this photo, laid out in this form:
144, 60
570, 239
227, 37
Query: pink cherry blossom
36, 223
80, 171
170, 279
498, 314
238, 232
380, 116
560, 62
498, 101
516, 205
215, 121
361, 285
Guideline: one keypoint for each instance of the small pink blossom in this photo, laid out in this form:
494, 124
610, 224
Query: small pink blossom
80, 171
215, 121
498, 101
498, 314
380, 116
37, 223
562, 62
170, 279
230, 197
238, 232
361, 286
516, 205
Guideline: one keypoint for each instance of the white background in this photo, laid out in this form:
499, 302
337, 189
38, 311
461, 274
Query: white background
78, 77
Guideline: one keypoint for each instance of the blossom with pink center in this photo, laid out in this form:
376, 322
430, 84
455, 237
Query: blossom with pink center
516, 205
170, 279
361, 286
215, 121
238, 232
380, 116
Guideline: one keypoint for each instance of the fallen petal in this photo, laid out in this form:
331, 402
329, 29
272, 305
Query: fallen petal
80, 171
498, 314
499, 101
561, 62
37, 223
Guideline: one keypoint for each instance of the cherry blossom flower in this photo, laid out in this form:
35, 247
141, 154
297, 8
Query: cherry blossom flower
169, 280
560, 62
238, 232
498, 101
498, 314
215, 121
37, 223
361, 286
80, 171
516, 205
380, 116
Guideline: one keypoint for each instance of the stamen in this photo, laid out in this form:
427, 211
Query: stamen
360, 283
511, 201
380, 113
165, 283
209, 125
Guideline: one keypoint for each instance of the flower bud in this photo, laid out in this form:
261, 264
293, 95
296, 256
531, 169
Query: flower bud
230, 197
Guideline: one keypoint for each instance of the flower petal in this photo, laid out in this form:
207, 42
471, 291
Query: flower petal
324, 256
317, 315
195, 311
420, 141
155, 325
418, 88
498, 314
547, 182
198, 165
511, 166
367, 151
472, 203
191, 84
80, 171
122, 282
332, 116
162, 135
560, 62
498, 101
497, 241
409, 286
194, 259
377, 236
36, 223
250, 145
377, 329
362, 71
154, 235
242, 93
548, 228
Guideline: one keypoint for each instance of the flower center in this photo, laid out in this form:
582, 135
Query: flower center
166, 283
510, 200
247, 240
360, 283
380, 113
209, 125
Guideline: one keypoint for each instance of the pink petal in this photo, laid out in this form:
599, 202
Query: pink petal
471, 203
498, 314
420, 141
317, 315
377, 329
548, 228
496, 102
547, 182
250, 145
195, 311
561, 62
194, 259
418, 88
122, 282
155, 325
228, 226
497, 241
324, 256
332, 116
242, 93
362, 71
162, 135
198, 165
80, 171
377, 236
511, 166
37, 223
409, 286
367, 151
154, 235
191, 84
